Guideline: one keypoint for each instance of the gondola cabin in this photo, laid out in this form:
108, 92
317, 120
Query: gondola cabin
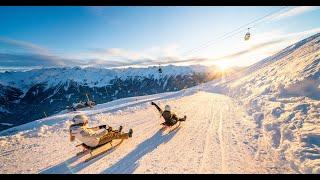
160, 70
247, 36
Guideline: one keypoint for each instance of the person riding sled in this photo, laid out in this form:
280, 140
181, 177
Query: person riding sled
169, 117
94, 136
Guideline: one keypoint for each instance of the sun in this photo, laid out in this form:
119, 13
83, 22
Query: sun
223, 65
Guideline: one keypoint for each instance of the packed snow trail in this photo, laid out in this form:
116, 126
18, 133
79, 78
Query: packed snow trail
214, 139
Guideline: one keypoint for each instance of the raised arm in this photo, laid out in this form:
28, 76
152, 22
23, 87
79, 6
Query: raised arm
159, 109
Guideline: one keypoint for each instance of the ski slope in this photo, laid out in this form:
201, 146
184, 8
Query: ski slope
214, 139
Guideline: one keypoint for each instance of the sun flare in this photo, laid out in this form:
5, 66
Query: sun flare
223, 65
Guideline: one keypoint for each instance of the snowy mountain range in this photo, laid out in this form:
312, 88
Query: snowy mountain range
264, 119
33, 93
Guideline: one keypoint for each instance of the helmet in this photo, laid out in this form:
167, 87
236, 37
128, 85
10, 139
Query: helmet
80, 119
167, 108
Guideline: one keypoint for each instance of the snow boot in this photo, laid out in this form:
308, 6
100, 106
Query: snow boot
120, 129
183, 119
130, 133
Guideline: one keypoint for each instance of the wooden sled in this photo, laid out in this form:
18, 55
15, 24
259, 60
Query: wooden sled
99, 150
176, 127
171, 128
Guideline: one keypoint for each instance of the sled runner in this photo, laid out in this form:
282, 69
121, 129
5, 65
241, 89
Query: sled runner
175, 128
171, 128
99, 150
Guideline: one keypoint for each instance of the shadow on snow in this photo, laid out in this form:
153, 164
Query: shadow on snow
129, 163
126, 165
66, 168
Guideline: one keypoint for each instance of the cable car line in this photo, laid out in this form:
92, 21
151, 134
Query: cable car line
204, 45
238, 30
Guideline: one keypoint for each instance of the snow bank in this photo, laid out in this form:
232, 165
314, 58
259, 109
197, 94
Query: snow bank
282, 95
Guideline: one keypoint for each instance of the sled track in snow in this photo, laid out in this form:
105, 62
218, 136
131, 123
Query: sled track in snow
207, 139
220, 128
214, 128
207, 136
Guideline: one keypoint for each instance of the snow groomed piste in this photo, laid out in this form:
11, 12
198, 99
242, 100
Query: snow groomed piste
100, 139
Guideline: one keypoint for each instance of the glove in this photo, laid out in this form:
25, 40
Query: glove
152, 103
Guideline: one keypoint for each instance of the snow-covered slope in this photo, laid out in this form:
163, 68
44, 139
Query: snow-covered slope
282, 95
266, 120
209, 141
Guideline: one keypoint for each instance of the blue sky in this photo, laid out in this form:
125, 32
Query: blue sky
122, 36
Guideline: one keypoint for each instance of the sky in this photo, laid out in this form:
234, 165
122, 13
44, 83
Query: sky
36, 37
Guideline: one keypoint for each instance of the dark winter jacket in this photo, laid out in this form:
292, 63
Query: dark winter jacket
169, 117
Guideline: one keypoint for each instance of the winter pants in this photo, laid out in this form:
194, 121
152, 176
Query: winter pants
174, 119
111, 136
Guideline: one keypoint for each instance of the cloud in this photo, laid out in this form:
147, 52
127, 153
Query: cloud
116, 57
138, 59
246, 53
253, 48
22, 45
115, 53
17, 53
15, 60
141, 62
262, 45
303, 34
266, 47
294, 12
